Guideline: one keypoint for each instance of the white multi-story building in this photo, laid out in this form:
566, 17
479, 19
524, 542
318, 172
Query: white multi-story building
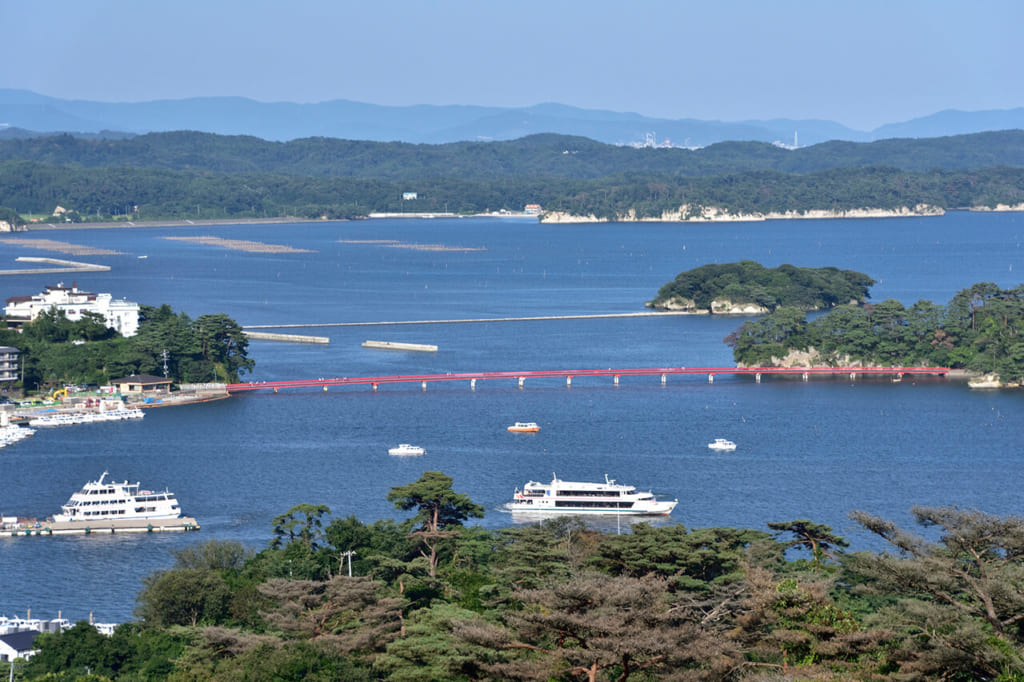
119, 314
9, 363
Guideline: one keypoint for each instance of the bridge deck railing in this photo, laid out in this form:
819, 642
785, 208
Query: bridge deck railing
569, 374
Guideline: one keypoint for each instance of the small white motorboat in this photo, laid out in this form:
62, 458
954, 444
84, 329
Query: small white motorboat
722, 444
406, 449
524, 427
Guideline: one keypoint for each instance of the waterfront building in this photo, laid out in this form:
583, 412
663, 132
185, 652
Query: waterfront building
119, 314
17, 645
141, 383
8, 364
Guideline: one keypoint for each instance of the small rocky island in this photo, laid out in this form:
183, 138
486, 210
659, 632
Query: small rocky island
749, 288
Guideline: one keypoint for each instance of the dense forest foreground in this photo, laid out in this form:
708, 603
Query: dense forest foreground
190, 175
434, 599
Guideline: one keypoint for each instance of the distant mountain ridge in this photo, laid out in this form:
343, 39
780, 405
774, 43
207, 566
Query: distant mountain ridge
24, 113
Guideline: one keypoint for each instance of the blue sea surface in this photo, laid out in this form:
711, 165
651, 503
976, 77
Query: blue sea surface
815, 450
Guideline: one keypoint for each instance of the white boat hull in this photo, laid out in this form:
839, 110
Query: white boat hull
656, 509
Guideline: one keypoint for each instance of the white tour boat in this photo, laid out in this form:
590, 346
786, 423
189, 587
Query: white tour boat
570, 497
524, 427
722, 444
406, 449
102, 501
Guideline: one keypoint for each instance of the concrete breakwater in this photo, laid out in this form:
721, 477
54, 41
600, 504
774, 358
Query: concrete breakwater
290, 338
61, 266
397, 345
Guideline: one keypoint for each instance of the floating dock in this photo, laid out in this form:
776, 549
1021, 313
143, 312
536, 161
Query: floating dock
395, 345
107, 527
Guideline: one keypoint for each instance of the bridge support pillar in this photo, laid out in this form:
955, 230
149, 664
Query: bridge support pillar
568, 382
423, 385
472, 384
275, 389
522, 380
325, 388
374, 387
757, 378
804, 377
711, 378
853, 376
616, 379
663, 379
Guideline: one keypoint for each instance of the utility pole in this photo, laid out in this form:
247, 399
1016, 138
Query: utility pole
349, 554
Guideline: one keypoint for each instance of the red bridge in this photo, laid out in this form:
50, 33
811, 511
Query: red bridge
896, 373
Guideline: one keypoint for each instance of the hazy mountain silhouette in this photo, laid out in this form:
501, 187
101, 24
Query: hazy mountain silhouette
26, 113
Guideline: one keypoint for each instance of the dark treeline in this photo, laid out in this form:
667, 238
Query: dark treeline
432, 599
981, 329
31, 187
55, 351
546, 155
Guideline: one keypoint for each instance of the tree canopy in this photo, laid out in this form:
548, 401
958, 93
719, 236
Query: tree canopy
769, 288
198, 175
559, 601
57, 351
980, 329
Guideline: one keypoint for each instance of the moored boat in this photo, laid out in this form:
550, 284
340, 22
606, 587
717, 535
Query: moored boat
524, 427
118, 413
12, 433
102, 501
573, 497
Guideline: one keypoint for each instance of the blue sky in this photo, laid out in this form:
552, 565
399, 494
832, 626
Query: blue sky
859, 62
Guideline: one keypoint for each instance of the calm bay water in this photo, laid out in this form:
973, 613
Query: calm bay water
812, 450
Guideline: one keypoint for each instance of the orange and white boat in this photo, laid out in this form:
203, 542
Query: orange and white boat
524, 427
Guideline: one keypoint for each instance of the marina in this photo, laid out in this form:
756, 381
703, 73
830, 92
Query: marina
12, 433
73, 417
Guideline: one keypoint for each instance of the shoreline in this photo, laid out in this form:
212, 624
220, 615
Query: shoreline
228, 222
707, 215
714, 214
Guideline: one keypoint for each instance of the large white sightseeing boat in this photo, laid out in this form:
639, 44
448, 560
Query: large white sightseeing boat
103, 501
571, 497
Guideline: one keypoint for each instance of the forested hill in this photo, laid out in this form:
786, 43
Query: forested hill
547, 155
